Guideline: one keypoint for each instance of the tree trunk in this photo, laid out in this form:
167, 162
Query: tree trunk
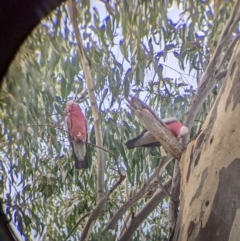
210, 170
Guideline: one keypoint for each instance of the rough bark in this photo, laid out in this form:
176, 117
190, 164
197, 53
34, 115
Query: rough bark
18, 19
210, 167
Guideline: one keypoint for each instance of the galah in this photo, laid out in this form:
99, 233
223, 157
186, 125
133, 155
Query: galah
145, 139
77, 132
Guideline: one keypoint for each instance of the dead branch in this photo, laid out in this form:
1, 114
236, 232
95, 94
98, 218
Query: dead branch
156, 127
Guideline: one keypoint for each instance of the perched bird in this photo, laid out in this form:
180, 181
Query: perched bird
77, 132
145, 139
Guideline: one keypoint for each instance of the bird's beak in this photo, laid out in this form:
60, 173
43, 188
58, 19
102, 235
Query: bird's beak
183, 131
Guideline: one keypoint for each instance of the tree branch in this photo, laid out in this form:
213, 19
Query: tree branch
97, 127
97, 211
175, 191
140, 194
74, 228
144, 212
156, 127
90, 85
112, 154
208, 80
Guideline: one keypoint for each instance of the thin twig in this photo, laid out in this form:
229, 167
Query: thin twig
75, 226
111, 153
166, 191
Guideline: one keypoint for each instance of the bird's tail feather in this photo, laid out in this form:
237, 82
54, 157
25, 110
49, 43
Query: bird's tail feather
153, 144
131, 144
81, 164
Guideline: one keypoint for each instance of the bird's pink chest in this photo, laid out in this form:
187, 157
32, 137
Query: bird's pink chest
77, 126
174, 127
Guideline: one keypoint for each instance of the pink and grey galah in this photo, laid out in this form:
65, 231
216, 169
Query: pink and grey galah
77, 132
145, 139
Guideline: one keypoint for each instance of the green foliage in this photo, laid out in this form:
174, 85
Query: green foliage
129, 52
